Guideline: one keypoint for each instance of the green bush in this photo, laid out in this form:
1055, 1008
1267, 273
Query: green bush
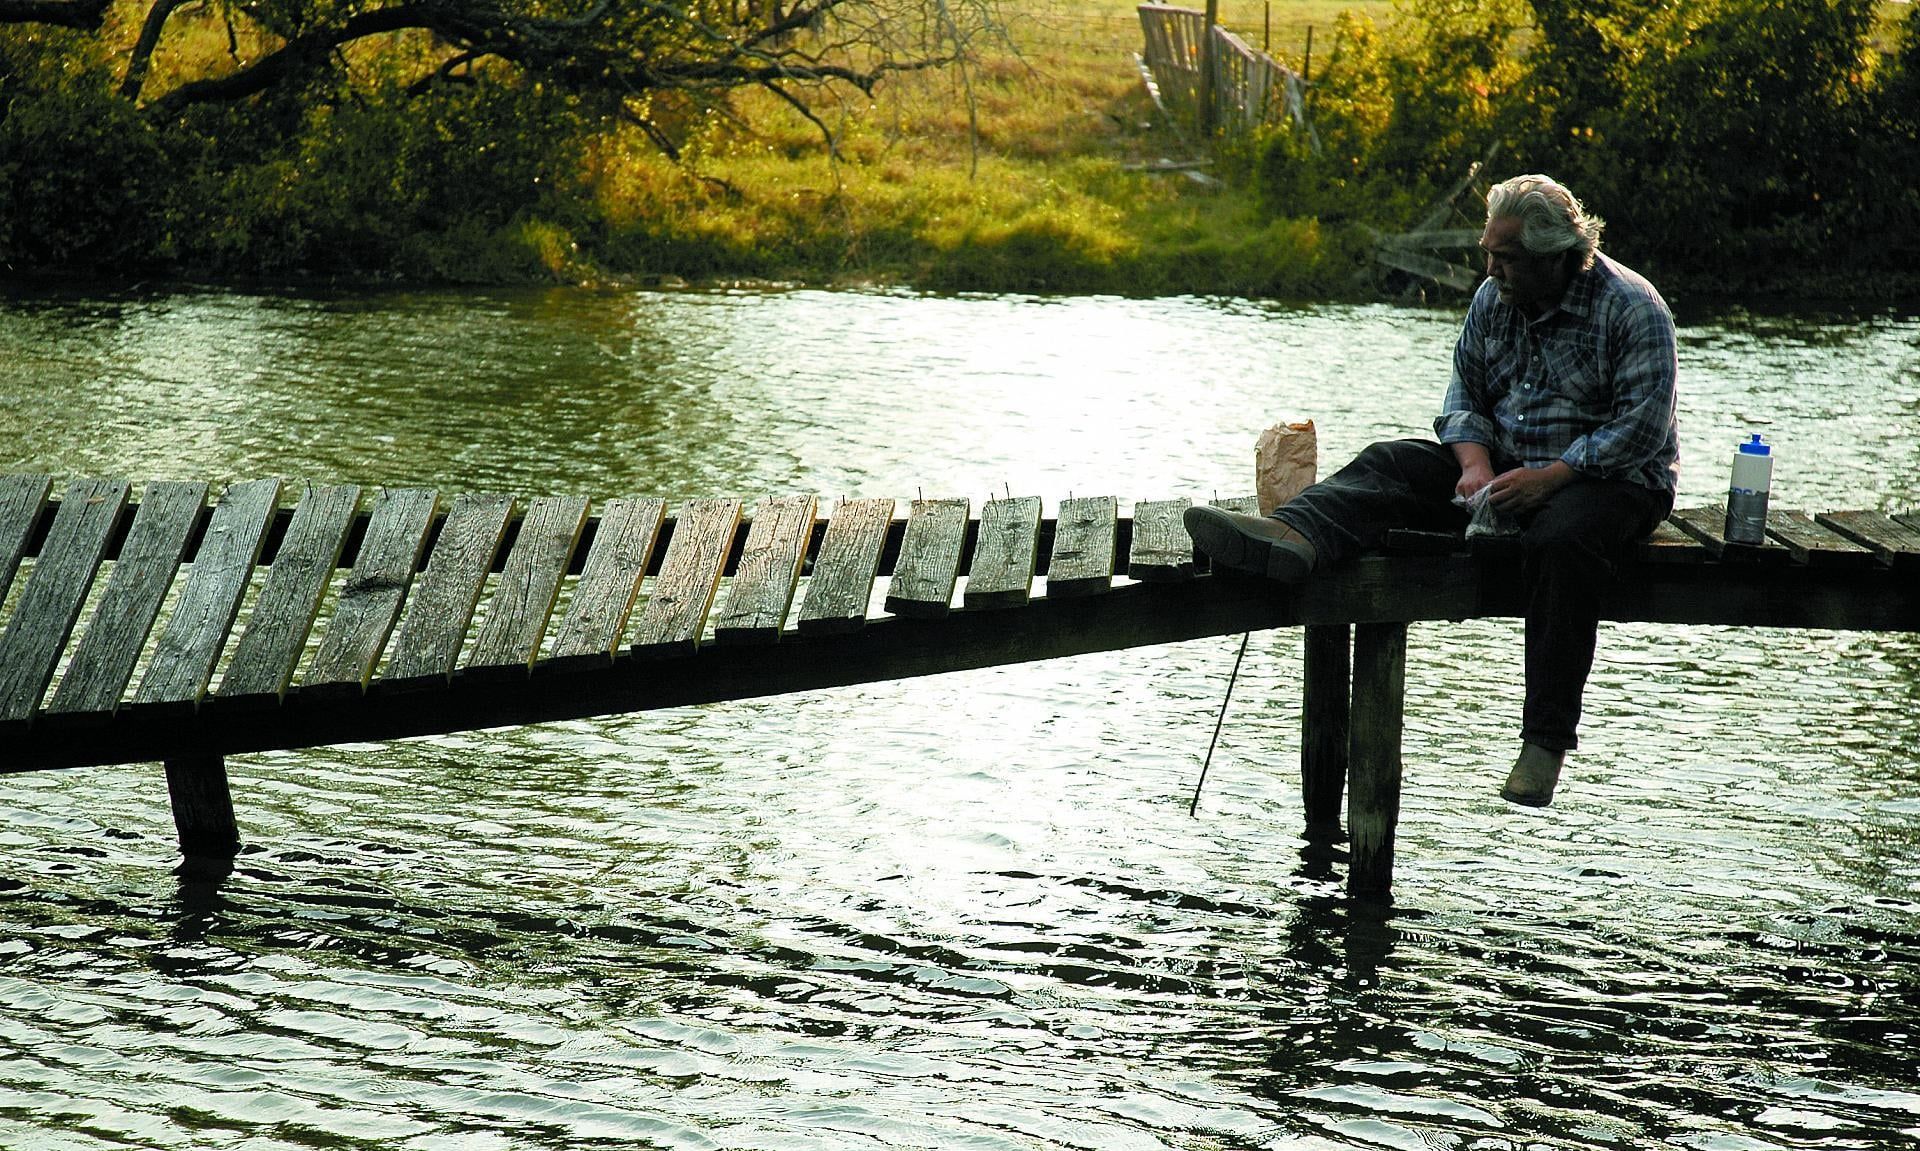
1732, 140
79, 168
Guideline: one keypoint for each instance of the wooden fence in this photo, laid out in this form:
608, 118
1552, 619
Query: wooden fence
1249, 89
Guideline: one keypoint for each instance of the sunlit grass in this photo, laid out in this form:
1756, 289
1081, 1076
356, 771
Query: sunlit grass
1030, 171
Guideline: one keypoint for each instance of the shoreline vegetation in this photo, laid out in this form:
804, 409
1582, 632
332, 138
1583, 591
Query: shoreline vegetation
1760, 150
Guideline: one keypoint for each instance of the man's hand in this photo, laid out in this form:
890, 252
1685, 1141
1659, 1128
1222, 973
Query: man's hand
1476, 469
1523, 490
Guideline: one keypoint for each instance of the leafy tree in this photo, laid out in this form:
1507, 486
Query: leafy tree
1731, 141
334, 133
1400, 111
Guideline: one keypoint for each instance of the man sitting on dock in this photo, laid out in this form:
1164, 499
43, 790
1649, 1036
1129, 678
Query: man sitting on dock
1561, 408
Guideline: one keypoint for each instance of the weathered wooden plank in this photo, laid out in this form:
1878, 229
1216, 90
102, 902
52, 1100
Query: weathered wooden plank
1435, 238
842, 583
1708, 525
1669, 545
35, 636
190, 643
269, 649
1814, 544
370, 600
603, 597
1374, 769
104, 659
428, 644
768, 572
1454, 276
1001, 574
516, 619
929, 563
676, 610
1162, 551
22, 498
1081, 562
1893, 543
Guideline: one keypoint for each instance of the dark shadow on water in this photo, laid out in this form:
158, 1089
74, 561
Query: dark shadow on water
200, 896
1324, 845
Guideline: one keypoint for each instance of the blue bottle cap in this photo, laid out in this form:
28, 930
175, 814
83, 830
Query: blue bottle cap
1755, 447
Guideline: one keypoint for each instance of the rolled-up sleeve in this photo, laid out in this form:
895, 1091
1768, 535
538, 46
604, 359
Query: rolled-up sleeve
1645, 374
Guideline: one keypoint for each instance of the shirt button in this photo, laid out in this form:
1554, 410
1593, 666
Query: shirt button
1520, 418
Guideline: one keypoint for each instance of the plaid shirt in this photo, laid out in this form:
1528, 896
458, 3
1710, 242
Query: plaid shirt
1590, 382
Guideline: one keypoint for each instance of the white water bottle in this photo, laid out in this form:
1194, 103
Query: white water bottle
1747, 495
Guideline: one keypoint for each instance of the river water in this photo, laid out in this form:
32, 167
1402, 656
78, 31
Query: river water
968, 911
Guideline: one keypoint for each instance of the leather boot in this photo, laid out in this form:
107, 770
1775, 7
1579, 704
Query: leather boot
1534, 776
1258, 544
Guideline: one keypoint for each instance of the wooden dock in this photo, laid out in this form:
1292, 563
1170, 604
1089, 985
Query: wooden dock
168, 629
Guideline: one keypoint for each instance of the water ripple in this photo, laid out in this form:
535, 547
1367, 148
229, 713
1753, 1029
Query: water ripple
968, 911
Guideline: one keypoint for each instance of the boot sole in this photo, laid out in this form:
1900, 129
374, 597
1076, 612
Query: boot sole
1526, 800
1223, 541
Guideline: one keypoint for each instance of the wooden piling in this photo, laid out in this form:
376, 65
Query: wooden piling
1373, 790
202, 806
1324, 720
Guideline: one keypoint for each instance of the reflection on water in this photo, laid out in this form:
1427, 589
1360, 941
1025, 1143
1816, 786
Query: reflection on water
971, 910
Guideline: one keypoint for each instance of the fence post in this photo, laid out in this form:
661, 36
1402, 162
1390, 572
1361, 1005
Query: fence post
1209, 116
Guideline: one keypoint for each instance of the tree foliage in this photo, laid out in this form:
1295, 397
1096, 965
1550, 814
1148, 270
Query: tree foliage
272, 135
1720, 138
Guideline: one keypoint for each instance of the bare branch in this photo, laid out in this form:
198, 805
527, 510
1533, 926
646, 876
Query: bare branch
659, 138
826, 133
444, 74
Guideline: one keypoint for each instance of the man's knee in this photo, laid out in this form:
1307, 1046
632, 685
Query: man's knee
1582, 524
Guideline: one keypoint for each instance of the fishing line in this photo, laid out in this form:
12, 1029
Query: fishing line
1194, 807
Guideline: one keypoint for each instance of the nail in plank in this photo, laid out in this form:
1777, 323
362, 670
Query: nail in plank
1001, 574
929, 563
768, 572
841, 586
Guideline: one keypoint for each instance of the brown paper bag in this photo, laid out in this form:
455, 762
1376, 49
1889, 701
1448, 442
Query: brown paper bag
1284, 462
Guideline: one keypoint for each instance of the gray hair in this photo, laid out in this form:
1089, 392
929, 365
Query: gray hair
1551, 218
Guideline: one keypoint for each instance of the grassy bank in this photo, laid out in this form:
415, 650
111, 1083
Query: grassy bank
1036, 171
1045, 168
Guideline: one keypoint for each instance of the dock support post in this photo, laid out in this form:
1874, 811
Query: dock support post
1326, 674
1373, 792
202, 806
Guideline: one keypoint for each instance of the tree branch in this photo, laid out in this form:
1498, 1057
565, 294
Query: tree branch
305, 49
826, 133
142, 56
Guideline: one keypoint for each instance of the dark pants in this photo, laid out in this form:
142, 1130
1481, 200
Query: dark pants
1570, 548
